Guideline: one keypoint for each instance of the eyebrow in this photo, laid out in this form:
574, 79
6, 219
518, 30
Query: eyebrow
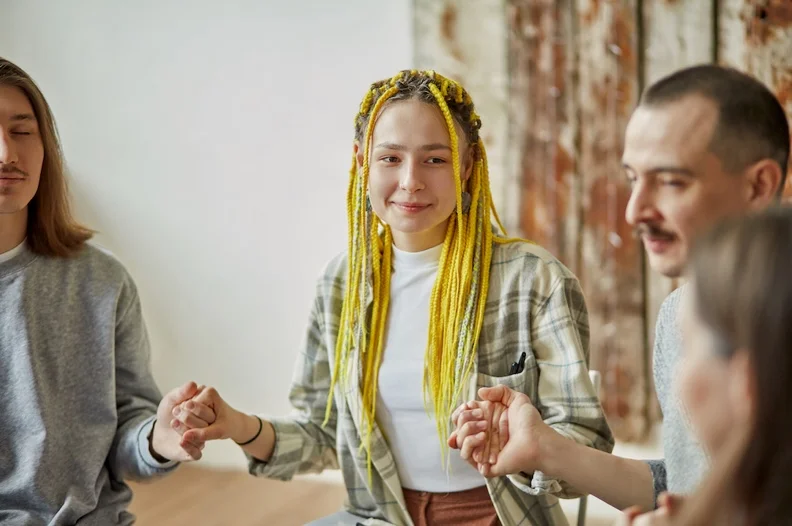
401, 147
23, 117
670, 169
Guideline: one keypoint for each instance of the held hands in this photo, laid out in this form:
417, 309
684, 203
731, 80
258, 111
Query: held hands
166, 443
501, 434
208, 417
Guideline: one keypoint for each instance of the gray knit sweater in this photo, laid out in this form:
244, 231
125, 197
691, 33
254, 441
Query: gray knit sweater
77, 399
685, 461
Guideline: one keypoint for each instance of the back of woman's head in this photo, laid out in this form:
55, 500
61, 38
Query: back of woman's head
742, 289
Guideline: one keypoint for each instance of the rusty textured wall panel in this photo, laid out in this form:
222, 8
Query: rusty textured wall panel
756, 36
676, 34
543, 125
611, 271
466, 40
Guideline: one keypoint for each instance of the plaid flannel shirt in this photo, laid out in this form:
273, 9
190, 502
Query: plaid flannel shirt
534, 305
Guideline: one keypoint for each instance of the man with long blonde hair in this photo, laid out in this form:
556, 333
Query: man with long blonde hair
79, 409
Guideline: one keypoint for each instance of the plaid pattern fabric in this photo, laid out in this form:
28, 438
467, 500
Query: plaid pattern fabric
534, 305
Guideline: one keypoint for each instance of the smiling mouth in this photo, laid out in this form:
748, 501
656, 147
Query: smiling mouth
411, 207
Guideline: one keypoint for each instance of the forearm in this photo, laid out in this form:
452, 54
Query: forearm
262, 446
621, 482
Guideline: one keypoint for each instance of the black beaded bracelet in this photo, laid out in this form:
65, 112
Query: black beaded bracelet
261, 426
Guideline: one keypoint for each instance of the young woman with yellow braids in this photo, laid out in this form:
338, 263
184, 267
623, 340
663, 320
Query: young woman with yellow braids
427, 304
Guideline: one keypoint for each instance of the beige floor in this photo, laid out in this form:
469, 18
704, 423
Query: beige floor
194, 496
209, 497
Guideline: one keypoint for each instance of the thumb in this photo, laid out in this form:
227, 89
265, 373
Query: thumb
499, 393
199, 436
181, 394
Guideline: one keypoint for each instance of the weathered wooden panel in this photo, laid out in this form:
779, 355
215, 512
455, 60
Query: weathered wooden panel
466, 40
756, 36
543, 125
612, 268
675, 35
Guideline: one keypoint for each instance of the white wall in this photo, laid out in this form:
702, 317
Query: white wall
209, 143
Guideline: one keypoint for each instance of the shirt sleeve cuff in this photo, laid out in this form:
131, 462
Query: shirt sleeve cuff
144, 433
659, 479
538, 484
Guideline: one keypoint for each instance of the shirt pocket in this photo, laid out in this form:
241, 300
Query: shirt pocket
517, 381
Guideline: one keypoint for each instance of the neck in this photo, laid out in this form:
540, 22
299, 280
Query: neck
13, 228
420, 241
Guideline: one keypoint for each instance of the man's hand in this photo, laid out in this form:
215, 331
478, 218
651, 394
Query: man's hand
520, 429
166, 442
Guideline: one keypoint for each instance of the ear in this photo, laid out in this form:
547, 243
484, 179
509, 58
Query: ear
764, 180
358, 153
742, 386
468, 162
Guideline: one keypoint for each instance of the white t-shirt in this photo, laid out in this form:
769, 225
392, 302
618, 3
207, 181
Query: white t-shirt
410, 431
11, 254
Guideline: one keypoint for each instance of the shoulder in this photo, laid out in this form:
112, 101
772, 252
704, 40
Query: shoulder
528, 264
669, 310
332, 278
93, 268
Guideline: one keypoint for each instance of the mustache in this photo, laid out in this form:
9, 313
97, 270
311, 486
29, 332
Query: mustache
6, 169
651, 230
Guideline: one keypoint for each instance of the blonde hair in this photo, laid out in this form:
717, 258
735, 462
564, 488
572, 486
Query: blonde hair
459, 295
51, 227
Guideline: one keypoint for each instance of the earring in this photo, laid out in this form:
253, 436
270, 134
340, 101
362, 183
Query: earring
368, 204
467, 200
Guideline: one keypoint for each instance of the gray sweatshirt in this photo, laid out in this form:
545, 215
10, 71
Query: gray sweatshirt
685, 461
77, 399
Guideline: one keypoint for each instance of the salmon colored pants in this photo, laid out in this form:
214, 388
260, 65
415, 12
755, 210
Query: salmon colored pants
472, 507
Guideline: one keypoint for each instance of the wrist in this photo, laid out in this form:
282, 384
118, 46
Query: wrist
246, 426
152, 449
554, 450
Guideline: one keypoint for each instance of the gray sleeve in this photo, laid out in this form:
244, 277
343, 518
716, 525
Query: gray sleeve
658, 477
137, 395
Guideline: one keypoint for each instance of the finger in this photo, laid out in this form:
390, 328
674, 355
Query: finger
178, 426
196, 444
202, 411
471, 443
468, 429
470, 416
189, 420
452, 440
495, 443
499, 393
180, 394
192, 452
208, 397
503, 428
457, 412
197, 436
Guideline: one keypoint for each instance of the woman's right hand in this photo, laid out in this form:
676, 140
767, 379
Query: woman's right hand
228, 423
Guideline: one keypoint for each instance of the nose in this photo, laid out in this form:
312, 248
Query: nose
641, 207
410, 180
8, 154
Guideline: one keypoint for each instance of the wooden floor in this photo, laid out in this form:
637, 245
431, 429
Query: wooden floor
198, 496
195, 496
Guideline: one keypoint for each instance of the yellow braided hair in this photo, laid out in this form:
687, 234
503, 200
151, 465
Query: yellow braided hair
456, 311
